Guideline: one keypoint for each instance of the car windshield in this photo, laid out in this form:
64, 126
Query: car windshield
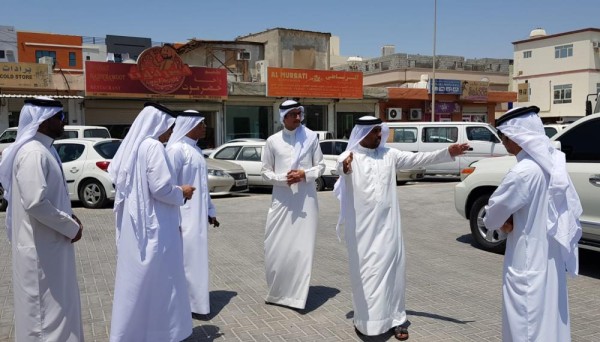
8, 137
96, 133
107, 149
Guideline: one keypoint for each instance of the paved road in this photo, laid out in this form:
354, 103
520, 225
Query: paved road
453, 291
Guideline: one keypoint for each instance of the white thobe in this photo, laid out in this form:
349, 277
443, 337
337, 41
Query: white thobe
47, 305
534, 288
374, 236
292, 220
190, 168
151, 300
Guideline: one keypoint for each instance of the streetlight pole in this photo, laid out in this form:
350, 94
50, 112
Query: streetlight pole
433, 77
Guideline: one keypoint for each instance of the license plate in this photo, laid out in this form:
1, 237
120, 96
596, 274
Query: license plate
241, 182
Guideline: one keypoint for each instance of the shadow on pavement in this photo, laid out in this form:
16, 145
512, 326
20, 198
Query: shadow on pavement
317, 296
436, 316
218, 300
204, 333
468, 239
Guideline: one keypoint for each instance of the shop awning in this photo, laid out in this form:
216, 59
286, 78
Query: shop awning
29, 96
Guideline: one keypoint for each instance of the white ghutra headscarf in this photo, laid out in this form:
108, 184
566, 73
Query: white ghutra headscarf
363, 126
33, 113
524, 127
184, 123
151, 122
304, 136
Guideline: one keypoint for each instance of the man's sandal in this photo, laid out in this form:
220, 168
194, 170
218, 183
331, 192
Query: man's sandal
401, 333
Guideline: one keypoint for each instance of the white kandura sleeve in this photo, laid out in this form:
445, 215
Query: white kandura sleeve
268, 167
509, 197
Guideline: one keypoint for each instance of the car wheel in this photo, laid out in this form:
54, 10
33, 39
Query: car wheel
3, 204
488, 240
92, 194
320, 184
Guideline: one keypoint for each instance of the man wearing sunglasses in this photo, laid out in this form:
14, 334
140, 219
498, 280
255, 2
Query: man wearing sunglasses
41, 227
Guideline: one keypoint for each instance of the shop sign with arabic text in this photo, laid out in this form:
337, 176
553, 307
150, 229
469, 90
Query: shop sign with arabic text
283, 82
24, 75
159, 73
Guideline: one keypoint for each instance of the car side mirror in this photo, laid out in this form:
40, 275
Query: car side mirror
588, 107
556, 144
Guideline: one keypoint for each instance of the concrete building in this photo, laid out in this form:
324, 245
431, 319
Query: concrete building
556, 72
8, 44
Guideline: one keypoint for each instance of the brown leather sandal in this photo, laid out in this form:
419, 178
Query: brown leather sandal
401, 333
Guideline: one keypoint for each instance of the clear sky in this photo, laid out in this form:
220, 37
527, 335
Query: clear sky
470, 28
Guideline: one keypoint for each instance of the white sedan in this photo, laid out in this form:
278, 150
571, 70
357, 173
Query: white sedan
248, 154
85, 166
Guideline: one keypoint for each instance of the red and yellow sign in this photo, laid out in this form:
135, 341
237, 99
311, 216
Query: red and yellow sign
159, 73
282, 82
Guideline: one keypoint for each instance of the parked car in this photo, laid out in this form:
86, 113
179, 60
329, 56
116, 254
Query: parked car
225, 178
580, 142
71, 131
430, 136
248, 154
552, 129
85, 167
332, 148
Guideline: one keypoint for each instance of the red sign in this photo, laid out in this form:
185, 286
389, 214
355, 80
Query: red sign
283, 82
154, 77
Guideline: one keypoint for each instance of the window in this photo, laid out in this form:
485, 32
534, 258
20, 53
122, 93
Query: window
527, 54
481, 134
403, 135
562, 93
228, 153
550, 131
44, 53
326, 147
96, 133
440, 134
563, 51
580, 144
250, 154
2, 55
72, 59
69, 152
339, 147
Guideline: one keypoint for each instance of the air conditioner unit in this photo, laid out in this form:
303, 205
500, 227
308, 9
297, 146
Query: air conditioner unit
394, 113
46, 60
416, 113
596, 45
260, 68
243, 55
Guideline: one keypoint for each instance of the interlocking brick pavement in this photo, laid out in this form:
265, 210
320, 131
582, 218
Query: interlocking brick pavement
453, 290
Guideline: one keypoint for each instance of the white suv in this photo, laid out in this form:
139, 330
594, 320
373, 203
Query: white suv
580, 141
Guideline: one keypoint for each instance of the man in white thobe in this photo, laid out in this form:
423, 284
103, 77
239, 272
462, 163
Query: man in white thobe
190, 168
291, 162
371, 216
151, 299
42, 228
536, 206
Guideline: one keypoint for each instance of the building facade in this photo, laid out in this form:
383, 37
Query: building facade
556, 72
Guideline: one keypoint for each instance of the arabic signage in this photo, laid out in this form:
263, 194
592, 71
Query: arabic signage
443, 107
445, 86
159, 73
523, 92
24, 75
474, 91
283, 82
